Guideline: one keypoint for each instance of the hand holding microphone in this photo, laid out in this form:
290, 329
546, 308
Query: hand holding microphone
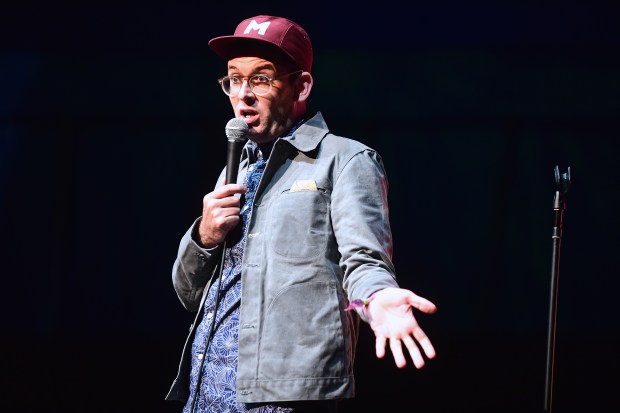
220, 209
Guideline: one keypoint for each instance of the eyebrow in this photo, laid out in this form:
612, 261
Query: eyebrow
256, 69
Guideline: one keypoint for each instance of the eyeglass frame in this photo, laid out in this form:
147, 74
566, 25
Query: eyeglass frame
247, 80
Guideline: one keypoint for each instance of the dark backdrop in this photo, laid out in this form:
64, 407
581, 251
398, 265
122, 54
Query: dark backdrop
112, 130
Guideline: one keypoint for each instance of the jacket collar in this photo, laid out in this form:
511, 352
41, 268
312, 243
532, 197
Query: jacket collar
305, 139
308, 136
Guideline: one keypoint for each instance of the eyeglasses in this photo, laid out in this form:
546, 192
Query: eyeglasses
259, 84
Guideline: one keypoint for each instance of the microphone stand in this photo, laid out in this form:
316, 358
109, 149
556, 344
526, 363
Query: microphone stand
559, 205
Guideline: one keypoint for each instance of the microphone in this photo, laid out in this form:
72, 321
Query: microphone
236, 129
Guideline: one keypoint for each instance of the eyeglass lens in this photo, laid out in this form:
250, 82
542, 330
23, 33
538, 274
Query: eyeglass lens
259, 84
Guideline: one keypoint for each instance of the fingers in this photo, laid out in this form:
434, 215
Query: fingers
425, 342
396, 347
412, 343
414, 352
380, 346
228, 190
222, 197
397, 352
220, 214
428, 307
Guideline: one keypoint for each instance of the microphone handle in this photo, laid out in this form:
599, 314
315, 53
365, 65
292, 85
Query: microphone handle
232, 161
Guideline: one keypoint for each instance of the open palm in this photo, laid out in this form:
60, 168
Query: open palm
391, 318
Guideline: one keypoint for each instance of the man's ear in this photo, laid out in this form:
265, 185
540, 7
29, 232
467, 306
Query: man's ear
304, 86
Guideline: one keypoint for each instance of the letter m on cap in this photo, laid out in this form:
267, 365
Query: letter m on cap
261, 28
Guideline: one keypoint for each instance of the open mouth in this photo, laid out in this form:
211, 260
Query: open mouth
250, 116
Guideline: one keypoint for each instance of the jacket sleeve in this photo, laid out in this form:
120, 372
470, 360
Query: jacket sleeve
360, 217
193, 268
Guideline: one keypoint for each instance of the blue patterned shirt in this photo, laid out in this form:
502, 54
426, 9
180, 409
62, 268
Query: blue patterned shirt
219, 369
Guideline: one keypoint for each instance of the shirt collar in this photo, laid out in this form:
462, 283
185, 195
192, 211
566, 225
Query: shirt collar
257, 152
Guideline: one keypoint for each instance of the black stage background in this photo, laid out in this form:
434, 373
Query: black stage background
112, 130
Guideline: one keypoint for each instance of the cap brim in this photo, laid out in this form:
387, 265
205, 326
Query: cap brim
228, 47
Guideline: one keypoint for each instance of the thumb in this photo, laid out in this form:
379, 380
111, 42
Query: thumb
421, 303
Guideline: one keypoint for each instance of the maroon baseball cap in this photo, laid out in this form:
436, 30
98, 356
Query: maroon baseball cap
261, 34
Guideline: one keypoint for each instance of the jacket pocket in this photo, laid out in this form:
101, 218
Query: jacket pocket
300, 223
303, 336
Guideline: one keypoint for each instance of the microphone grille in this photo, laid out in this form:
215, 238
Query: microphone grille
236, 129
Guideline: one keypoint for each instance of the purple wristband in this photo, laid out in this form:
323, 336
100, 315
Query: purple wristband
360, 303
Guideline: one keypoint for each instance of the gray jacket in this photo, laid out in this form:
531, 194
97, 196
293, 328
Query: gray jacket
319, 236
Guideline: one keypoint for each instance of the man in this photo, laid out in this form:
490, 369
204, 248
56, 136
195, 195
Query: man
305, 238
